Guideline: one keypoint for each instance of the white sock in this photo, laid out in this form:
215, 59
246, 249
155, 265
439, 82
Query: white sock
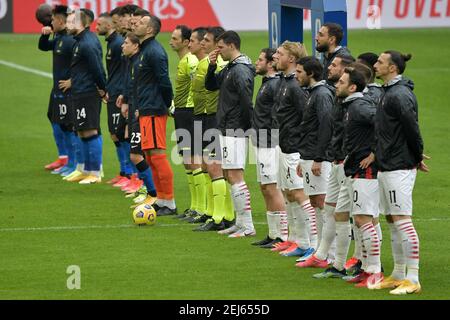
328, 233
160, 203
410, 243
292, 232
372, 247
357, 253
283, 225
241, 200
399, 271
309, 210
301, 226
343, 239
319, 224
170, 204
364, 261
379, 233
273, 224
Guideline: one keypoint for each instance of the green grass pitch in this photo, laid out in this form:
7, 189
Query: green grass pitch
47, 225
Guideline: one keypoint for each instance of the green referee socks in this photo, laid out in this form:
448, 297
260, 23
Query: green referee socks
219, 190
209, 195
200, 189
191, 184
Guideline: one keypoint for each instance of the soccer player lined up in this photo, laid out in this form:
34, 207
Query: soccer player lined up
219, 214
154, 98
265, 142
236, 84
399, 154
114, 61
128, 103
373, 89
58, 109
202, 42
290, 102
200, 97
334, 202
183, 104
360, 169
88, 85
315, 136
328, 41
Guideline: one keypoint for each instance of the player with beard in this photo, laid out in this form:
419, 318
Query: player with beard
399, 154
328, 41
154, 98
361, 169
290, 102
88, 85
264, 141
335, 187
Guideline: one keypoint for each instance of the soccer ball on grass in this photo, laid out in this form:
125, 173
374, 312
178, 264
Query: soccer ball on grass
144, 214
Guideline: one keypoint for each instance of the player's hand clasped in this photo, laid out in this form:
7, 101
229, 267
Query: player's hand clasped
65, 85
364, 164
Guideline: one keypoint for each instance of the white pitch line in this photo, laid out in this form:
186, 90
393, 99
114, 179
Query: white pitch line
26, 69
127, 226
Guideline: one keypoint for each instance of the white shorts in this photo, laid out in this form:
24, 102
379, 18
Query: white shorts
234, 152
365, 197
288, 178
267, 165
335, 182
315, 185
344, 202
396, 188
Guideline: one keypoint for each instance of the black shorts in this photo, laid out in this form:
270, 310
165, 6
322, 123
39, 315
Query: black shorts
134, 131
113, 115
87, 107
116, 122
59, 109
209, 136
184, 126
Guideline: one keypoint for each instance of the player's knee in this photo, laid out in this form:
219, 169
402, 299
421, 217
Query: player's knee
235, 176
136, 158
342, 216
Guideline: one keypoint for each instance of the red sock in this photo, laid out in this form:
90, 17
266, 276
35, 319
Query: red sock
165, 174
159, 190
